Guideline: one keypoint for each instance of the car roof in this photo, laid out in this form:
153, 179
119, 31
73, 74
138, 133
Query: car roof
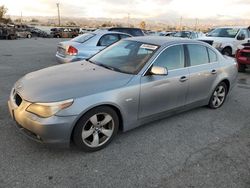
103, 31
234, 27
162, 40
123, 28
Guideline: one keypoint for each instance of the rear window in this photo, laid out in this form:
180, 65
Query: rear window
131, 31
83, 38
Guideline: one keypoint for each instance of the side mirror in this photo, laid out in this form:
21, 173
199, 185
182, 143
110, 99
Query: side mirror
157, 70
241, 37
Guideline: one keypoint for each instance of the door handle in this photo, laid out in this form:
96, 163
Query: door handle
214, 71
183, 79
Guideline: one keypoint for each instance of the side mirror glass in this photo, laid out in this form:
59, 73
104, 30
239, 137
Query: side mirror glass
157, 70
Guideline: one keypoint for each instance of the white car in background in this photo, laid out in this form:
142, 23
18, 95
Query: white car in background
227, 39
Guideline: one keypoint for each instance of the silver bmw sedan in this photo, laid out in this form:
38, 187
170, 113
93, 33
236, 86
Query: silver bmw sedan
133, 81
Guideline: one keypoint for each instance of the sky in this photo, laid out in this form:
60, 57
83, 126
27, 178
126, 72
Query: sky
143, 9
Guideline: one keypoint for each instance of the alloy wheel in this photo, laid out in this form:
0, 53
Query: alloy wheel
219, 96
97, 130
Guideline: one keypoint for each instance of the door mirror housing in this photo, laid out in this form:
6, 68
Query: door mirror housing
157, 70
241, 37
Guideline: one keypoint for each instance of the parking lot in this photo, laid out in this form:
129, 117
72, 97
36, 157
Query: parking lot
197, 148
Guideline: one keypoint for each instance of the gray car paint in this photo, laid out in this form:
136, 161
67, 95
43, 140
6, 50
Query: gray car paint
137, 98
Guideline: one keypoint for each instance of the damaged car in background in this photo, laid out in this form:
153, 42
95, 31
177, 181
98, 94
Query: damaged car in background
227, 39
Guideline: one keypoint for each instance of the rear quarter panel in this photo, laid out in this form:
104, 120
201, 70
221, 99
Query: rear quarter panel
227, 71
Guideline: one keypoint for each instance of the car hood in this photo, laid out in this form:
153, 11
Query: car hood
217, 39
69, 81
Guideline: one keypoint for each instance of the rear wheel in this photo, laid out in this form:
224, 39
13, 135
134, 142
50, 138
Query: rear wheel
219, 96
227, 51
96, 129
242, 67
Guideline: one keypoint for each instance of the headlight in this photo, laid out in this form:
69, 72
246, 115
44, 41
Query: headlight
217, 45
46, 110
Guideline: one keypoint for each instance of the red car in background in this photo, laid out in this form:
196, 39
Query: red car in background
243, 57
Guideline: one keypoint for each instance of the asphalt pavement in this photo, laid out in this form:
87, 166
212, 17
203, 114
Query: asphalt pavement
197, 148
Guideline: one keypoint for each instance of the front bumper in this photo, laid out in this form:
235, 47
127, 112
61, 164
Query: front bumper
53, 130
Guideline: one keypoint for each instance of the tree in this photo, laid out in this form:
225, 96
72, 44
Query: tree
3, 11
143, 25
34, 20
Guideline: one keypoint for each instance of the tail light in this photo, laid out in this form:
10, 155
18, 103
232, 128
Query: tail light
72, 51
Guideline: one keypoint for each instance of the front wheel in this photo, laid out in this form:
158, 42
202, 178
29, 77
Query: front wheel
96, 129
219, 96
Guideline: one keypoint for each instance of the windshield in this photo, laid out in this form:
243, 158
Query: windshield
125, 56
224, 32
83, 38
183, 34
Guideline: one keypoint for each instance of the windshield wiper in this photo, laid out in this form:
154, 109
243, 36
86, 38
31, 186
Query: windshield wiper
111, 68
106, 66
88, 59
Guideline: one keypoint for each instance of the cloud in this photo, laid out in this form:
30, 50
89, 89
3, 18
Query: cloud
144, 9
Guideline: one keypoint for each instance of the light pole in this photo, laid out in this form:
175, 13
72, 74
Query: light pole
58, 13
128, 19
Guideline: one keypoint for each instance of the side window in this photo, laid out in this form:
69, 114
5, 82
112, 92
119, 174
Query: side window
107, 40
212, 55
171, 58
193, 36
124, 36
198, 54
244, 31
136, 32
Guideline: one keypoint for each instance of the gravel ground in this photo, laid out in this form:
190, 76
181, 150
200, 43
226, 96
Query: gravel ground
198, 148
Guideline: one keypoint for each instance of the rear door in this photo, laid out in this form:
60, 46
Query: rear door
203, 71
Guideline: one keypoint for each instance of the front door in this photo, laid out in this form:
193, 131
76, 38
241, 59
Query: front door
162, 93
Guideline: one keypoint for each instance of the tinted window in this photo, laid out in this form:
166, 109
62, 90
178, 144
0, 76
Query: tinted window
107, 40
198, 54
212, 55
124, 36
171, 58
131, 31
183, 34
224, 32
83, 38
136, 32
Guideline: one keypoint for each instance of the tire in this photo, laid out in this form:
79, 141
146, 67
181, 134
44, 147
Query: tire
29, 36
219, 96
227, 51
58, 36
96, 129
241, 67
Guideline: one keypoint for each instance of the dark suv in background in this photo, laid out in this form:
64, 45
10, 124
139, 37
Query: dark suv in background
132, 31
